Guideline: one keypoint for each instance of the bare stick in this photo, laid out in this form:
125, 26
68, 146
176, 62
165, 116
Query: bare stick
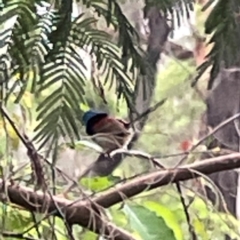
31, 151
221, 125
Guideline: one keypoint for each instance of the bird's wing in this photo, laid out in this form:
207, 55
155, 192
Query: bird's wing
125, 123
111, 126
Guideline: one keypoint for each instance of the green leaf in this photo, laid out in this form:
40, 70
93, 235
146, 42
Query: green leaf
224, 30
169, 217
16, 219
88, 236
97, 183
201, 206
200, 229
147, 223
118, 217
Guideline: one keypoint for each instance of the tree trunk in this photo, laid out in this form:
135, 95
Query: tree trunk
222, 103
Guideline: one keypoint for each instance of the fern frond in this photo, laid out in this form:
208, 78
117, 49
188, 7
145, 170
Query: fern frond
108, 57
131, 53
223, 25
17, 20
65, 74
45, 53
38, 46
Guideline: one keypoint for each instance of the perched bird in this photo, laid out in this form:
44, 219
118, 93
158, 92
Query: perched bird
108, 132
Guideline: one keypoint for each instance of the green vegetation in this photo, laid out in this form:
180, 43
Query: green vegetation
49, 93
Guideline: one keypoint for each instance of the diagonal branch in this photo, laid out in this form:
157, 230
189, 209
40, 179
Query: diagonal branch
164, 177
31, 151
87, 214
82, 212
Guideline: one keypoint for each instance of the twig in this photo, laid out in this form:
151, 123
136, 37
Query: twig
185, 209
148, 111
37, 168
16, 235
31, 151
87, 218
36, 225
156, 163
124, 151
221, 125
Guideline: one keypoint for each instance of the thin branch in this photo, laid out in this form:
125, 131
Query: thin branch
217, 128
185, 209
83, 213
148, 111
31, 151
90, 218
34, 156
178, 186
16, 235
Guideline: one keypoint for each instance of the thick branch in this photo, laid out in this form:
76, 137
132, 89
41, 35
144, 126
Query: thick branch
83, 213
164, 177
86, 213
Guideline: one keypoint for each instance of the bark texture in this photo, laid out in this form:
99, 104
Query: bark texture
222, 103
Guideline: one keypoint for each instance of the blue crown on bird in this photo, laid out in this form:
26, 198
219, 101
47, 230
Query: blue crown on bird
108, 132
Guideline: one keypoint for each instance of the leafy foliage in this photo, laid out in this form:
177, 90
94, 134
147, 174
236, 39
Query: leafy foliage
152, 230
39, 53
223, 26
175, 8
41, 44
113, 15
52, 40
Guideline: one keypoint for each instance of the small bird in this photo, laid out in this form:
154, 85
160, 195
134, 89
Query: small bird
108, 132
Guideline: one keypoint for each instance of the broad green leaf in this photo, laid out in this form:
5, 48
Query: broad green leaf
81, 146
147, 223
169, 217
118, 217
60, 229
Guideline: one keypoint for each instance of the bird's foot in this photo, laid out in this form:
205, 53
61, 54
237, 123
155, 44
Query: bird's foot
125, 147
107, 155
